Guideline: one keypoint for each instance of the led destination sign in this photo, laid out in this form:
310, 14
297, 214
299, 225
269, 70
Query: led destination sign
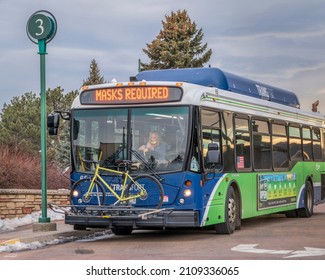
131, 95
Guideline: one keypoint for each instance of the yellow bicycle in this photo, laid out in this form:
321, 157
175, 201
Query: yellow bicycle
142, 191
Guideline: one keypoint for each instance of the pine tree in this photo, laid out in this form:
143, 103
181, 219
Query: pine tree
178, 44
20, 124
94, 75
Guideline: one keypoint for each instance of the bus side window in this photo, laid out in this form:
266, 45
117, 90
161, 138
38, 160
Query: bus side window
295, 143
280, 146
243, 143
307, 144
317, 151
323, 145
211, 133
261, 144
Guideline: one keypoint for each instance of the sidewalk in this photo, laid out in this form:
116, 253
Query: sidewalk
63, 233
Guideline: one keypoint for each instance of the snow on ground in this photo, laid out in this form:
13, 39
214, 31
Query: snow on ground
11, 224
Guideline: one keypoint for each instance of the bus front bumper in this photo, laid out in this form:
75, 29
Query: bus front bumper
137, 218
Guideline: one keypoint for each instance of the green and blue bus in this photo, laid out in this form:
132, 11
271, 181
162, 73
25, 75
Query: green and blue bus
234, 149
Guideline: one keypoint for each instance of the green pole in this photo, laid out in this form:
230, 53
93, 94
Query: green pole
42, 53
41, 29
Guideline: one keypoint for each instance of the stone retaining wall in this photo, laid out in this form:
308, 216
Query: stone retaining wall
18, 203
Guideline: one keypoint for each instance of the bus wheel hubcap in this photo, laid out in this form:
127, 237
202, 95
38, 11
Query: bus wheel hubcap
232, 210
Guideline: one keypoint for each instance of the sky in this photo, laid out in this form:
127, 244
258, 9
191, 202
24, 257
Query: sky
281, 43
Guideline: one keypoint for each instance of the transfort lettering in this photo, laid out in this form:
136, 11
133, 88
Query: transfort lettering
132, 94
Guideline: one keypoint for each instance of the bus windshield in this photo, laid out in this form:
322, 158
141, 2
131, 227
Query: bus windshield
154, 139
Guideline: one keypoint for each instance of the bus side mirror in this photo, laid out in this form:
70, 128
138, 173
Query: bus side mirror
53, 122
213, 155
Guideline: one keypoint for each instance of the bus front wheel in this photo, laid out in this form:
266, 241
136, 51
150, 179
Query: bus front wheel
231, 214
122, 230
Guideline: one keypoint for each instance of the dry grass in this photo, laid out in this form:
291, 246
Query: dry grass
19, 170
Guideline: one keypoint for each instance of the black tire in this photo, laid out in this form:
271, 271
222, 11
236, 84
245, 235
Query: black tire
308, 209
79, 227
232, 219
122, 230
79, 190
291, 214
154, 192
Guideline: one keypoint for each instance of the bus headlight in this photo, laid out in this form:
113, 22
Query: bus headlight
75, 193
187, 193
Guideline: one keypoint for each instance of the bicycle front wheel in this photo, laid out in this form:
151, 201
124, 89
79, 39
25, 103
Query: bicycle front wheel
145, 191
81, 195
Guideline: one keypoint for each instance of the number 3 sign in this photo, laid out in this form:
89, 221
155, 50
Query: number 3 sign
41, 25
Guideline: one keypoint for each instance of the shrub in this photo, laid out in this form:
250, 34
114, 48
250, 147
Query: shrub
21, 170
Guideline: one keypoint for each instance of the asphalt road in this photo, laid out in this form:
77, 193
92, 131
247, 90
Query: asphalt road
272, 237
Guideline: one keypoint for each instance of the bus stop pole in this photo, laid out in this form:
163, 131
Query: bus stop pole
42, 53
41, 28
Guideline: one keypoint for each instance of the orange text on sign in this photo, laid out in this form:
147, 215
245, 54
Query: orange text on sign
132, 94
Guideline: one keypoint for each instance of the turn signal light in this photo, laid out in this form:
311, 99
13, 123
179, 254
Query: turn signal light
188, 183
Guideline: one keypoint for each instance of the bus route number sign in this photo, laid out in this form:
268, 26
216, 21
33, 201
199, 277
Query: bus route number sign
41, 26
